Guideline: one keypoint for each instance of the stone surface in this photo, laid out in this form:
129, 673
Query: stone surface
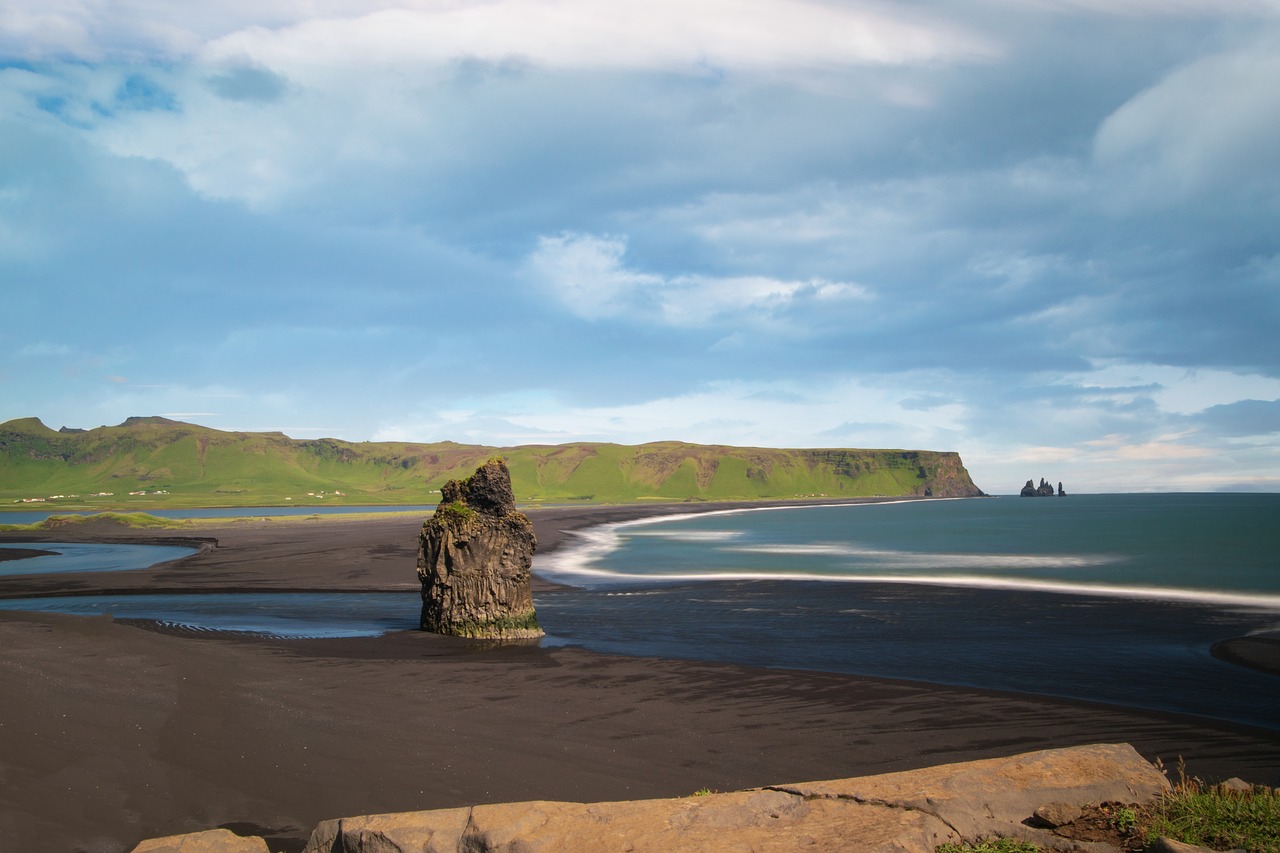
997, 795
209, 841
760, 820
909, 812
1168, 845
1057, 814
474, 560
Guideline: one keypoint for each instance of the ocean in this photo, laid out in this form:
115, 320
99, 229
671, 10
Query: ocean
1111, 598
1108, 598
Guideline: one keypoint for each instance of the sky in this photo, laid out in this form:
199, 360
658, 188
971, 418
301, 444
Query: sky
1042, 233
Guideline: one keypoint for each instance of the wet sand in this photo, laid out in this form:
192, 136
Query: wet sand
111, 732
7, 554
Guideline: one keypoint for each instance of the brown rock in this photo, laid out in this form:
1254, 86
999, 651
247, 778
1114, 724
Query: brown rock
910, 812
996, 796
474, 559
760, 820
1057, 814
210, 841
1168, 845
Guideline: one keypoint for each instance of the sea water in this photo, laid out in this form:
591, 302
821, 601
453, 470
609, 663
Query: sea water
288, 615
1221, 548
1113, 598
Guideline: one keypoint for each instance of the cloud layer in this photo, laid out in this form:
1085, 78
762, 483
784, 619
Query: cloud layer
1045, 234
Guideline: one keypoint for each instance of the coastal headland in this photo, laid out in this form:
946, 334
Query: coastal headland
111, 731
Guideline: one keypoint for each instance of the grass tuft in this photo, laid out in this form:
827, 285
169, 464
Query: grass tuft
456, 512
1216, 817
124, 519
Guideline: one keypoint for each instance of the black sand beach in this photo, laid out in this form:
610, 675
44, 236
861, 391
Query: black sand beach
111, 732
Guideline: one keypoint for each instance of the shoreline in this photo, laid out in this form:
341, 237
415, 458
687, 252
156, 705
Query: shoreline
555, 528
1257, 651
121, 731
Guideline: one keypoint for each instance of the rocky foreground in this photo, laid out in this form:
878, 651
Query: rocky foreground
906, 812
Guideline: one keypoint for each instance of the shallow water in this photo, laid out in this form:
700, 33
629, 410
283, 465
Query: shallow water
293, 614
89, 557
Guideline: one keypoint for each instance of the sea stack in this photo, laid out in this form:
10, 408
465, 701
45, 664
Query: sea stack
1044, 490
474, 560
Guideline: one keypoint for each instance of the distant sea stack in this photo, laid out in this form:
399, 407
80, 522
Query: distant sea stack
474, 560
1044, 490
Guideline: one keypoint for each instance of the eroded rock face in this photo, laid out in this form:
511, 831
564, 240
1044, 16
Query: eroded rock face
474, 559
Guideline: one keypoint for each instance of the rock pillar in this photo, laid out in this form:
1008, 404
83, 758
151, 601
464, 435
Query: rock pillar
474, 559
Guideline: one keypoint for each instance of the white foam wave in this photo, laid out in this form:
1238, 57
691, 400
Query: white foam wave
595, 543
690, 535
1251, 601
933, 560
582, 563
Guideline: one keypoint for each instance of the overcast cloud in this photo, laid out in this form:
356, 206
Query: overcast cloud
1045, 234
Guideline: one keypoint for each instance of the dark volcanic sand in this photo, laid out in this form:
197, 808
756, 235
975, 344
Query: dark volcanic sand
112, 732
7, 554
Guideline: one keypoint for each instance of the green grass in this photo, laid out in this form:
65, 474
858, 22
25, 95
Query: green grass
1217, 818
183, 465
456, 511
124, 519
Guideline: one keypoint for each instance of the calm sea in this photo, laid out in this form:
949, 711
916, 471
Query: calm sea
1214, 547
1111, 598
1114, 598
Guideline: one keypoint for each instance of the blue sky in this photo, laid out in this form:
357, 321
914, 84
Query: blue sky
1045, 234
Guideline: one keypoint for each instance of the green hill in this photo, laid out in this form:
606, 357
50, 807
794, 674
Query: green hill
183, 465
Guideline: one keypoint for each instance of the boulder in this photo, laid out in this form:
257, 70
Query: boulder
1235, 785
1054, 815
209, 841
907, 812
474, 559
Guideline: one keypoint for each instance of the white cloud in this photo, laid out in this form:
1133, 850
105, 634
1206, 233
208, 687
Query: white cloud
585, 272
635, 34
780, 414
559, 33
1209, 124
1177, 390
1158, 8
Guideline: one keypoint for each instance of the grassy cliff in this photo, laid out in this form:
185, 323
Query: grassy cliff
183, 465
